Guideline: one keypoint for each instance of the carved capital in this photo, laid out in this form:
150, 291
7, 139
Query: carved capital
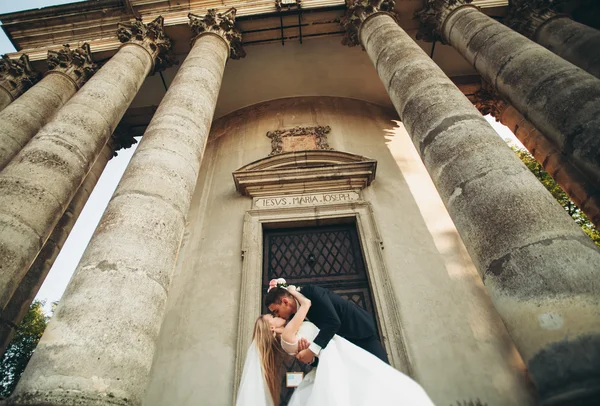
221, 24
433, 16
487, 101
527, 16
299, 138
151, 37
121, 138
17, 75
287, 4
357, 11
76, 63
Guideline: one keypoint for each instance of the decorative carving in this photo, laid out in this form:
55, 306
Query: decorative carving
121, 138
287, 4
319, 134
488, 101
357, 11
222, 24
75, 63
433, 15
527, 16
17, 75
151, 37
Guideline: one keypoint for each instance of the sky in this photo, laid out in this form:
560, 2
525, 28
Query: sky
66, 262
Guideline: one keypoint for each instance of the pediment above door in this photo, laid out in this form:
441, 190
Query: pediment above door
303, 172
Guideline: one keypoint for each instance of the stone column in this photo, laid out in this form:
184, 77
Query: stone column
99, 346
558, 98
538, 266
575, 184
573, 41
19, 122
16, 76
38, 184
19, 303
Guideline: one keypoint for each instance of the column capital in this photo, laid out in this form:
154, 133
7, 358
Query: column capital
151, 37
77, 64
357, 11
17, 75
221, 24
121, 138
487, 101
434, 15
527, 16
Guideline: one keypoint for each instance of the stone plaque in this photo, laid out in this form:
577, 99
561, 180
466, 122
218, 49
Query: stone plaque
301, 143
306, 199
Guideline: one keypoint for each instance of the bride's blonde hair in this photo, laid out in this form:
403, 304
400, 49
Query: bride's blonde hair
271, 356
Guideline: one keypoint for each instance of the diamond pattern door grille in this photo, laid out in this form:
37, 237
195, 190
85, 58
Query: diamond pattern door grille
327, 256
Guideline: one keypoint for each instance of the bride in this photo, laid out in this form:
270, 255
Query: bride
346, 374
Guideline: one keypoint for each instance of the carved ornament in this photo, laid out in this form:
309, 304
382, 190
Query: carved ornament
222, 24
433, 16
151, 37
76, 63
17, 75
121, 138
357, 11
318, 134
287, 4
527, 16
487, 101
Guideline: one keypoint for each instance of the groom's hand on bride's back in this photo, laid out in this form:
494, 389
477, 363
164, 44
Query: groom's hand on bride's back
303, 344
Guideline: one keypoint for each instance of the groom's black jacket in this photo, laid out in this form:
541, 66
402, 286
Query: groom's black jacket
336, 315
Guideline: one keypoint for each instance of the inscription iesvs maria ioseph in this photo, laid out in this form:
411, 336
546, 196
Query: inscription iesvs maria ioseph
306, 199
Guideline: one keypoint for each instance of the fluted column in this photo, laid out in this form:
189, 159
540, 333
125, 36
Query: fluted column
100, 343
19, 303
37, 185
558, 98
16, 76
22, 119
538, 266
573, 41
579, 189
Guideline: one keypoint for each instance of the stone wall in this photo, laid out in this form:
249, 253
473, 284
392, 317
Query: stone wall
457, 345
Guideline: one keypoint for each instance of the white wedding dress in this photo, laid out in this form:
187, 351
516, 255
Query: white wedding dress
346, 375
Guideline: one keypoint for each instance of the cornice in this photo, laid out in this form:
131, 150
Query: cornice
297, 172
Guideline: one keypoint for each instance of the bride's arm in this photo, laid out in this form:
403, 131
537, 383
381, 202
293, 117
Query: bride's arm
290, 330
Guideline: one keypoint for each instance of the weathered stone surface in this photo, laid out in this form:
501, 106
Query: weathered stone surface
20, 301
561, 100
100, 343
38, 184
535, 261
577, 186
571, 40
16, 76
20, 121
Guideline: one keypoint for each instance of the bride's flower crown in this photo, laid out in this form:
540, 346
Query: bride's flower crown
277, 283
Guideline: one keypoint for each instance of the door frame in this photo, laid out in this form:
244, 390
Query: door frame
384, 301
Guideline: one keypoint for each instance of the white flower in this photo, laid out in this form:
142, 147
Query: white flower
281, 281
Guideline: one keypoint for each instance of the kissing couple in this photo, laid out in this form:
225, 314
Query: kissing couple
352, 367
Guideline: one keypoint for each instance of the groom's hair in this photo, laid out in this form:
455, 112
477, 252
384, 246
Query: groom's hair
275, 295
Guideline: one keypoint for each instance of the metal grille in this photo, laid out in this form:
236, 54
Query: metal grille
327, 256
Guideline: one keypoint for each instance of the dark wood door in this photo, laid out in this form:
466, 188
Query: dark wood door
327, 256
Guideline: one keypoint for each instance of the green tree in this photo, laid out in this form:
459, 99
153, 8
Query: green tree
580, 218
21, 347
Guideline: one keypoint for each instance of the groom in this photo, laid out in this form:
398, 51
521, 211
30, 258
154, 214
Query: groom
333, 315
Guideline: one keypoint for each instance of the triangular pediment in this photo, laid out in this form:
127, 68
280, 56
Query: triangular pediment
305, 171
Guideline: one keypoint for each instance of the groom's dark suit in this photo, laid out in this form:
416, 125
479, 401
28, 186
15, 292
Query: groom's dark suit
336, 315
